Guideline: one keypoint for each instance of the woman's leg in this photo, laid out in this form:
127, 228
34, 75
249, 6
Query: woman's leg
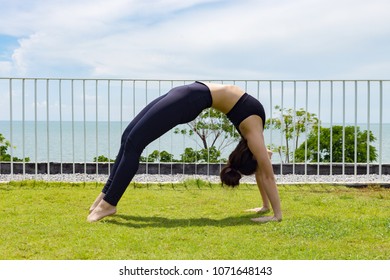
175, 108
160, 118
125, 134
124, 137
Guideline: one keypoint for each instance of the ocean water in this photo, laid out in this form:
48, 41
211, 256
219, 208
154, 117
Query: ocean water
65, 141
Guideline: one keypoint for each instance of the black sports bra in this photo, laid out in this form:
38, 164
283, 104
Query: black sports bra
246, 106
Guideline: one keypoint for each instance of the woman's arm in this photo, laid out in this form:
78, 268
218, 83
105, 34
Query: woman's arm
253, 132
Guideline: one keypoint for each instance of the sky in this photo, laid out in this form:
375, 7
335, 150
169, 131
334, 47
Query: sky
195, 39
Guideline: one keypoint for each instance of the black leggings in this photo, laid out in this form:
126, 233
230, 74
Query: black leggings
180, 105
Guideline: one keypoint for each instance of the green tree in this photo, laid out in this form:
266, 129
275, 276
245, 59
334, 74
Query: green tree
324, 152
189, 155
211, 155
4, 156
158, 156
102, 158
292, 124
213, 128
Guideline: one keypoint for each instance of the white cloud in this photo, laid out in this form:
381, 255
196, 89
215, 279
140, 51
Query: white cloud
197, 38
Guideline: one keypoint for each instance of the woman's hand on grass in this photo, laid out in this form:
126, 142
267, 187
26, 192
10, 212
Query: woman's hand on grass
266, 219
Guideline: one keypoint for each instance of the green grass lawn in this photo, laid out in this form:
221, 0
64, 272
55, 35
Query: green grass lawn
193, 221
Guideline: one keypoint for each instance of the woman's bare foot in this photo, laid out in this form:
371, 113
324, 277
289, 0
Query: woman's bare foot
96, 202
103, 209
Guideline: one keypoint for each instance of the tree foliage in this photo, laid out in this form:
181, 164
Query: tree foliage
102, 158
295, 123
157, 156
323, 154
213, 129
4, 156
189, 156
211, 155
292, 124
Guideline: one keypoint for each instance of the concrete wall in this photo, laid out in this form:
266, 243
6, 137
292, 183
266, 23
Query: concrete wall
188, 168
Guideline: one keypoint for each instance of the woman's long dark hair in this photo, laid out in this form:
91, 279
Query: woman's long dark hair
241, 161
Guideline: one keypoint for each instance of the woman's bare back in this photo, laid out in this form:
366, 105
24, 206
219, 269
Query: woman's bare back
224, 96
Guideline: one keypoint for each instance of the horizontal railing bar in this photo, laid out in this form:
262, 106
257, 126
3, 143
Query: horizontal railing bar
186, 80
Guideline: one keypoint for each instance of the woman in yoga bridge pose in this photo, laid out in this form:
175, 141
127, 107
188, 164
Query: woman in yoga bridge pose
181, 105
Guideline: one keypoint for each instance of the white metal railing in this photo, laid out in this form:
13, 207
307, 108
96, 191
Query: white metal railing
55, 120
